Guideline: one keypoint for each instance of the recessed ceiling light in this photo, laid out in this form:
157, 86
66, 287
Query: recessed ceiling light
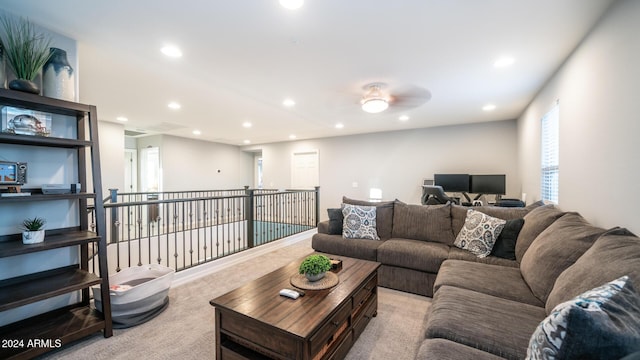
197, 132
339, 126
288, 102
247, 141
174, 105
122, 118
504, 62
403, 118
247, 124
292, 4
489, 107
292, 136
171, 51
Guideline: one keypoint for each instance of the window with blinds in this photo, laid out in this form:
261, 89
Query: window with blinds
550, 160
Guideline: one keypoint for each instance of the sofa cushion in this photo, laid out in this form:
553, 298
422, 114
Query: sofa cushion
603, 323
459, 254
498, 326
413, 254
459, 214
423, 222
535, 222
505, 246
500, 281
336, 244
335, 221
359, 222
384, 215
534, 205
407, 280
446, 349
323, 227
614, 254
479, 233
554, 250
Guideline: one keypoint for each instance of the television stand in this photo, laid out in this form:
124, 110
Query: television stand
478, 196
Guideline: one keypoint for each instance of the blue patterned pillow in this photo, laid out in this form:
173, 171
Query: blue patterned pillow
479, 233
359, 222
603, 323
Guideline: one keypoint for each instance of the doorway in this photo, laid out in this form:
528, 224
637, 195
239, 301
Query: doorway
150, 178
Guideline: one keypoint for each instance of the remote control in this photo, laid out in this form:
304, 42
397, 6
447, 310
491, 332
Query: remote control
289, 293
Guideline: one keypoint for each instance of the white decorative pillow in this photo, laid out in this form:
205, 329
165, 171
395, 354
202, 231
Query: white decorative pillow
603, 323
479, 233
359, 222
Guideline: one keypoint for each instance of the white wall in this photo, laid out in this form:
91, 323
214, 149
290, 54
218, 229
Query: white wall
111, 136
397, 162
599, 127
189, 164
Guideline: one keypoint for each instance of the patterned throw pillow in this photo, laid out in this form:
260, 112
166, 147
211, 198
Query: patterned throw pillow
359, 222
479, 233
603, 323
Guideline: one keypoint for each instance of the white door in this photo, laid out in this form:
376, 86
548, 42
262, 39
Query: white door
305, 170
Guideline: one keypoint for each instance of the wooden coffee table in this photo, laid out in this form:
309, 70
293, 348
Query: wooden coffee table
255, 322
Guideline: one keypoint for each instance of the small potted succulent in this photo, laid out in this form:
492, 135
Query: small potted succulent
33, 230
314, 267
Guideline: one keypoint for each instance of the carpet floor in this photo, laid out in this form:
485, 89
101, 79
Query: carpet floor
186, 329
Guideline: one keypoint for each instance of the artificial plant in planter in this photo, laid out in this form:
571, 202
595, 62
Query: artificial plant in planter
314, 267
33, 230
25, 51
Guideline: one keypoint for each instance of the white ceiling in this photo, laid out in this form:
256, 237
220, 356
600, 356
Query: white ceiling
242, 58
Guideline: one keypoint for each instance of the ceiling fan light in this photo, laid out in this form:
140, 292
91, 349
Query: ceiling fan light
292, 4
374, 106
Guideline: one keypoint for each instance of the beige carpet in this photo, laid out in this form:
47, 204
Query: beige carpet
186, 329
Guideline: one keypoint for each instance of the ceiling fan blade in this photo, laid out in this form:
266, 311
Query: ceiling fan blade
410, 96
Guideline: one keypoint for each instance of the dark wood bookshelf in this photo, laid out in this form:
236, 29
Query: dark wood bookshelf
42, 103
46, 197
31, 288
35, 140
78, 320
59, 327
54, 241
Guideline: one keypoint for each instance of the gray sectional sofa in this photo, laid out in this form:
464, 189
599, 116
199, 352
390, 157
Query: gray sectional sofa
488, 308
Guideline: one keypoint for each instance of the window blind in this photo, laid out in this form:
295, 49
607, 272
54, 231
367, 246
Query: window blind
550, 155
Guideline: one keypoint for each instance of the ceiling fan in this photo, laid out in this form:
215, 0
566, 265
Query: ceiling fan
378, 97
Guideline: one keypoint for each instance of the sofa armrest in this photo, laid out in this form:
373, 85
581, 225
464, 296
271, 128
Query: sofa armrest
323, 227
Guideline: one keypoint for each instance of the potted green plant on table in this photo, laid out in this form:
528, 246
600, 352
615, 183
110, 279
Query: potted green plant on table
314, 267
25, 51
33, 230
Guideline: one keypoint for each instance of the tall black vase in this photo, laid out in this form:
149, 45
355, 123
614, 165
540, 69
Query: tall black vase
57, 77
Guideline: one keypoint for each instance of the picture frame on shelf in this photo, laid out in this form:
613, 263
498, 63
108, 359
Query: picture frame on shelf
25, 122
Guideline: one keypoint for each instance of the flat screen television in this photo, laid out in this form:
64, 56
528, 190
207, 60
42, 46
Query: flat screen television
452, 182
488, 184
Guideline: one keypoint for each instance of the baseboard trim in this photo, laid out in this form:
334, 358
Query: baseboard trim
191, 274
